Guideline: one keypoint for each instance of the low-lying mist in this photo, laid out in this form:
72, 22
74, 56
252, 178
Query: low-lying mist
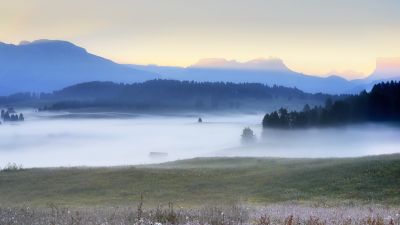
96, 139
347, 141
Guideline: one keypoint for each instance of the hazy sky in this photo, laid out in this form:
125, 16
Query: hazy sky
311, 36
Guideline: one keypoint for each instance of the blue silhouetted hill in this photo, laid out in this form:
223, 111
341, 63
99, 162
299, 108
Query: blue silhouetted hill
44, 66
271, 71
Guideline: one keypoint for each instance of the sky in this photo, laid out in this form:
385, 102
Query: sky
310, 36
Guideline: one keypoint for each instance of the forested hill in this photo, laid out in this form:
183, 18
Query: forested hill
161, 90
381, 104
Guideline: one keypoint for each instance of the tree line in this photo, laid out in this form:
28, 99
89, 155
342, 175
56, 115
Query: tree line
381, 104
154, 91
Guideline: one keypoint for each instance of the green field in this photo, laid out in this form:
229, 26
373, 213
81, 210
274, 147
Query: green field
199, 181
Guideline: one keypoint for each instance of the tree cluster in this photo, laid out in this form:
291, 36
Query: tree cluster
284, 120
381, 104
7, 116
17, 97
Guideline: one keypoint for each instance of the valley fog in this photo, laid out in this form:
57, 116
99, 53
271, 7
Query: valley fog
110, 139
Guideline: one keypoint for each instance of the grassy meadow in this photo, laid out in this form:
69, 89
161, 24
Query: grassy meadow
217, 181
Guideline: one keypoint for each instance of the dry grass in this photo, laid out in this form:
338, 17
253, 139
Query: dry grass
272, 214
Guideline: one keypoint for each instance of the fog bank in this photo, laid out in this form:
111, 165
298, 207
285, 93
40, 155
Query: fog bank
63, 139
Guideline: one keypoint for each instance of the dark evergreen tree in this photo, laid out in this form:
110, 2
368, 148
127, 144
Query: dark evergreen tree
274, 120
320, 108
200, 120
2, 113
297, 120
339, 113
34, 96
396, 106
328, 104
21, 117
302, 120
265, 121
6, 116
271, 120
283, 118
323, 120
313, 116
379, 106
306, 108
359, 107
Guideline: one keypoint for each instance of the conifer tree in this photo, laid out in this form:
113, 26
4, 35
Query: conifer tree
6, 116
21, 117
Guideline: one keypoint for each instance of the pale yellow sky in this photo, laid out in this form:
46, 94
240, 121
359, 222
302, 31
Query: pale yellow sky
310, 36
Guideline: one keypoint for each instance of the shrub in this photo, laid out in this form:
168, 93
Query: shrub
12, 167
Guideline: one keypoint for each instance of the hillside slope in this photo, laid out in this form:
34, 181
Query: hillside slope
45, 65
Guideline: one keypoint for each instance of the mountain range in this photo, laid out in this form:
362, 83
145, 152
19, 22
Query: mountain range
44, 66
273, 71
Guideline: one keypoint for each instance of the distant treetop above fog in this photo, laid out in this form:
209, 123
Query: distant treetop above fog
248, 136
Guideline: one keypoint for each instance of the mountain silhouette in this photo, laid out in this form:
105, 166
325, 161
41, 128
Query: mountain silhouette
167, 72
271, 71
386, 68
368, 86
46, 65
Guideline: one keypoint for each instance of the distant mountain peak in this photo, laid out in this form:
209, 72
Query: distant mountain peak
347, 74
41, 41
25, 43
263, 60
55, 46
210, 62
261, 63
46, 65
386, 68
